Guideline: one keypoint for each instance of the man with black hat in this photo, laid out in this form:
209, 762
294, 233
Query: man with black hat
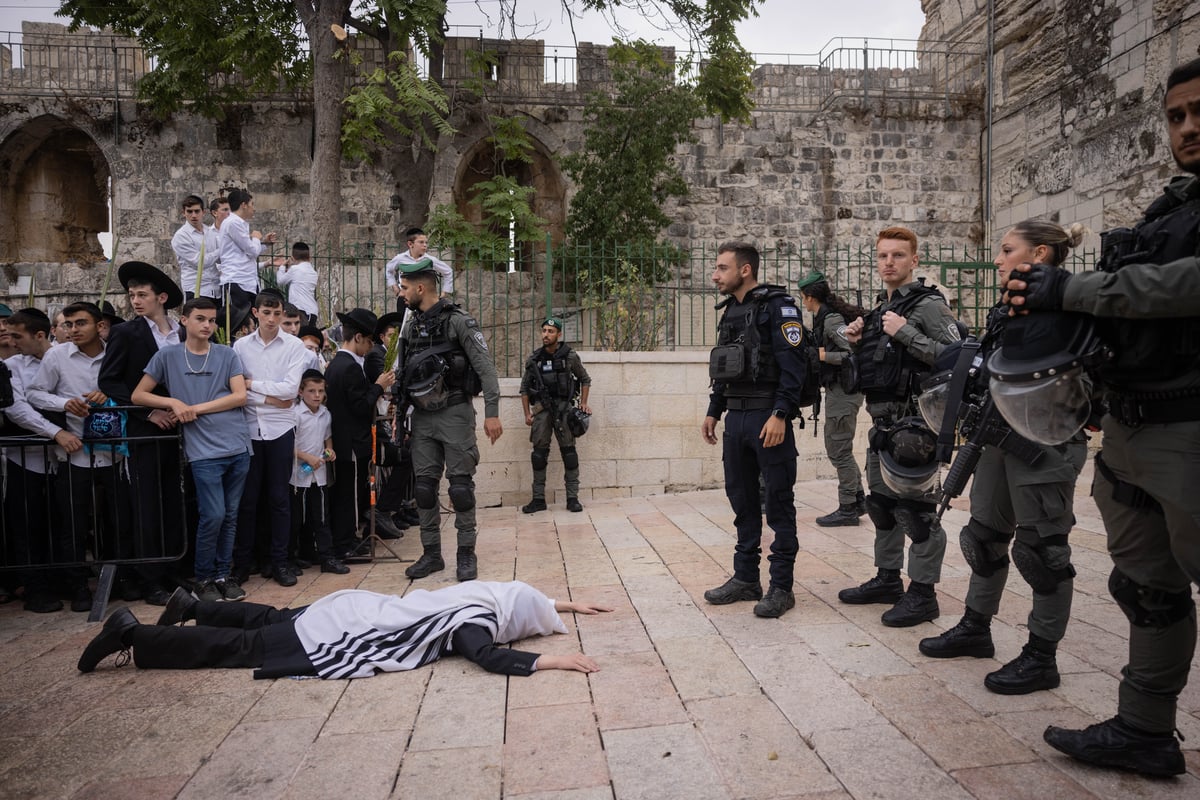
418, 247
109, 319
1146, 303
351, 400
154, 468
554, 377
446, 363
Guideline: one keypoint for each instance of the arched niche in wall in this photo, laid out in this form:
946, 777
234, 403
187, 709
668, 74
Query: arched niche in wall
54, 194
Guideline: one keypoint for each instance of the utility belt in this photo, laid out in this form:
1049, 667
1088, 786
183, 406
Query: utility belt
1134, 410
749, 403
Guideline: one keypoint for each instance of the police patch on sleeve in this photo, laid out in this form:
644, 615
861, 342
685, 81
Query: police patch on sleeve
793, 333
479, 340
789, 311
955, 333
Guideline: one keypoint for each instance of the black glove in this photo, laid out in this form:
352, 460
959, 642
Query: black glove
1044, 288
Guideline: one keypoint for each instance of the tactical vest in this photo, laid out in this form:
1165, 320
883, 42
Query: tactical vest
427, 334
1149, 351
829, 373
552, 373
739, 326
886, 370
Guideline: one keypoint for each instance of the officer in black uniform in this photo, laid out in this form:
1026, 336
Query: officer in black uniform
758, 370
1146, 304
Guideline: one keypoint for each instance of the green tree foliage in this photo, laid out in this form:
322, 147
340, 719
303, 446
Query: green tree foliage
393, 100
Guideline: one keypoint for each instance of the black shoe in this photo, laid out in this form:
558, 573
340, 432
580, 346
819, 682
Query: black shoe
468, 566
302, 564
885, 587
81, 599
127, 590
732, 591
775, 603
1116, 744
428, 563
913, 608
283, 575
40, 603
384, 528
334, 566
1032, 671
156, 596
180, 608
845, 514
241, 574
533, 506
573, 504
402, 524
972, 636
110, 640
410, 515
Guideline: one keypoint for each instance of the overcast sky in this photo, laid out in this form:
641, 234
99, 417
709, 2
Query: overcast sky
784, 26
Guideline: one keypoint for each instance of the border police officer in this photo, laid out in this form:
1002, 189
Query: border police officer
895, 344
554, 377
758, 371
1146, 301
446, 362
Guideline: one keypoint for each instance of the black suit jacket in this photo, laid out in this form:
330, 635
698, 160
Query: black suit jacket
130, 347
351, 400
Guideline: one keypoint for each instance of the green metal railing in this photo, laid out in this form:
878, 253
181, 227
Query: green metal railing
623, 298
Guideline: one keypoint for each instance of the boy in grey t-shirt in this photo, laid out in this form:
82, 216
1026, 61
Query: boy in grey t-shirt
207, 391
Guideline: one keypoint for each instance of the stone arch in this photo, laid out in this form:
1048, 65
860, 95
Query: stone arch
54, 193
477, 163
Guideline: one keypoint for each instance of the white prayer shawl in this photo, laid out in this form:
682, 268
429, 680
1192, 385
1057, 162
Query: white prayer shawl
355, 633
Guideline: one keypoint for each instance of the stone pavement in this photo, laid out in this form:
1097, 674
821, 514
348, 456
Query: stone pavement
692, 701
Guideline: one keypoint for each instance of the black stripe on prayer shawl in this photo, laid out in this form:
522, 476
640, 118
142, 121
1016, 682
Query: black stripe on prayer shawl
411, 647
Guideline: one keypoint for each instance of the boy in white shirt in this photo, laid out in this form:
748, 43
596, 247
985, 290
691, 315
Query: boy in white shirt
314, 446
299, 277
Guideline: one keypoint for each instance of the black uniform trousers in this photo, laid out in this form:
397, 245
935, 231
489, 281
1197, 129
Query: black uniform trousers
745, 458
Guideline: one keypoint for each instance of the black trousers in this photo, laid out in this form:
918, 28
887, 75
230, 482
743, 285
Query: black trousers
349, 501
312, 539
159, 528
225, 635
270, 473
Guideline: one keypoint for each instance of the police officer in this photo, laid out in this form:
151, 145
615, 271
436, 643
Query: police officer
1026, 489
1146, 301
830, 315
446, 362
757, 370
895, 344
554, 377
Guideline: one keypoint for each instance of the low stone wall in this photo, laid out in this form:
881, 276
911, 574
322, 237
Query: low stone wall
644, 437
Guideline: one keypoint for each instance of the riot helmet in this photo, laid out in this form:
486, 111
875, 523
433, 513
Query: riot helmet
1039, 377
578, 421
427, 387
908, 458
937, 387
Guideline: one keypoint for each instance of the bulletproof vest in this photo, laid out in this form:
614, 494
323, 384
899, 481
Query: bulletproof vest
554, 373
429, 331
828, 374
886, 369
741, 325
1147, 351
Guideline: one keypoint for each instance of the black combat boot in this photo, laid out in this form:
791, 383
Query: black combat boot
1117, 744
919, 604
533, 506
775, 603
846, 514
732, 591
972, 636
468, 568
885, 587
429, 562
1035, 669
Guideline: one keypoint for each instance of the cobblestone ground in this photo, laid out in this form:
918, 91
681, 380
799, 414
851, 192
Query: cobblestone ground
692, 701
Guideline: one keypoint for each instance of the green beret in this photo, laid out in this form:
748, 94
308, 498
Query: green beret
813, 277
553, 322
424, 265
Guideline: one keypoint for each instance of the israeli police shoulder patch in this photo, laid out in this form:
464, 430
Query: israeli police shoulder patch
793, 332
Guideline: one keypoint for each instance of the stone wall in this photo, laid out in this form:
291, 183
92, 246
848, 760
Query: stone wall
1078, 132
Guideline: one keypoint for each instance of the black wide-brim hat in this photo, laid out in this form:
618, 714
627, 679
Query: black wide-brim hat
392, 318
110, 313
142, 272
239, 313
362, 320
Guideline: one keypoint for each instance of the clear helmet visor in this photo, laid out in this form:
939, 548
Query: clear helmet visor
909, 481
1049, 410
932, 402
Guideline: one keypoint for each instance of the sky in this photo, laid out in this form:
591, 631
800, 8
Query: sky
783, 26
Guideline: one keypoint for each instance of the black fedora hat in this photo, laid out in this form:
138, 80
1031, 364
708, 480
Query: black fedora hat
142, 272
109, 312
362, 320
311, 330
392, 318
239, 313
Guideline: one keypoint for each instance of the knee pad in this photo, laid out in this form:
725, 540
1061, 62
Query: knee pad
915, 520
425, 492
462, 493
1146, 607
570, 458
539, 458
1044, 562
879, 509
974, 539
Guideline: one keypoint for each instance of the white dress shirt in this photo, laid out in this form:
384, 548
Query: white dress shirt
164, 339
312, 429
391, 273
186, 243
68, 373
273, 369
239, 254
302, 278
24, 369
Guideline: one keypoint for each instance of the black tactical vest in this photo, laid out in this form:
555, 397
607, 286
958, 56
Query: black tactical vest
886, 370
554, 373
741, 325
1149, 351
428, 331
828, 372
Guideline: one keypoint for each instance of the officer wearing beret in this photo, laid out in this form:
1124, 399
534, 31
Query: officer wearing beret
554, 376
446, 363
1146, 303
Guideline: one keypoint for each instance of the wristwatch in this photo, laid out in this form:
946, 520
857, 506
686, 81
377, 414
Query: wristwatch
780, 413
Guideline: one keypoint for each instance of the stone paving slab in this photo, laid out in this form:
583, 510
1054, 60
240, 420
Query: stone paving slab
692, 700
